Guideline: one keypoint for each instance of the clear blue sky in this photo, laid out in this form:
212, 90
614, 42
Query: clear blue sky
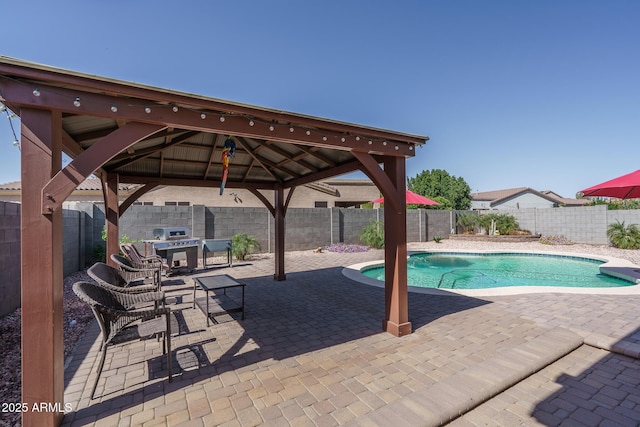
542, 94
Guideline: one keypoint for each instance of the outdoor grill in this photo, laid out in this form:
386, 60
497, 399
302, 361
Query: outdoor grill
168, 241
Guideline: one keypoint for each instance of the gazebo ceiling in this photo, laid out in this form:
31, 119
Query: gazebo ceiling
273, 148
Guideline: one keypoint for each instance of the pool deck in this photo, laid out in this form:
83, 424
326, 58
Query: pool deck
310, 352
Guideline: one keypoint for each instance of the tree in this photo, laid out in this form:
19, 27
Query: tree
438, 183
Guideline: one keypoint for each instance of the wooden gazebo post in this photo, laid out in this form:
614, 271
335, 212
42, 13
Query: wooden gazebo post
41, 270
279, 229
391, 183
396, 292
112, 215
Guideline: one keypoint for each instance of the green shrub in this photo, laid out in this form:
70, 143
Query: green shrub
100, 251
467, 221
624, 237
373, 235
505, 224
437, 239
243, 245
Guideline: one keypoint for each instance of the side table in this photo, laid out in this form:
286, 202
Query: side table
216, 304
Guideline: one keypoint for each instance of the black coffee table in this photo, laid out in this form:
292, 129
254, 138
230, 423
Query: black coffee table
215, 303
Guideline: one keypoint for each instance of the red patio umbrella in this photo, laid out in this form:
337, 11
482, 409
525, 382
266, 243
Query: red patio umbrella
412, 199
624, 187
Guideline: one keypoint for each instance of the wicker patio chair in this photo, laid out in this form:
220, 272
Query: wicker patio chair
110, 310
131, 273
111, 278
141, 261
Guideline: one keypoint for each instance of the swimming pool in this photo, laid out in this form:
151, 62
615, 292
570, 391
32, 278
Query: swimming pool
472, 271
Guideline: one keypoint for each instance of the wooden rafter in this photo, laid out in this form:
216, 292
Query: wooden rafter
146, 153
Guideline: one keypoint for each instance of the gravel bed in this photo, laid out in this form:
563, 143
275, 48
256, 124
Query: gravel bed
77, 315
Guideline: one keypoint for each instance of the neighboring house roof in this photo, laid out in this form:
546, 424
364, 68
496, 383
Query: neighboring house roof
89, 184
497, 197
566, 201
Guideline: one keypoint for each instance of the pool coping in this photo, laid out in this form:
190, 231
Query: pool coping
615, 267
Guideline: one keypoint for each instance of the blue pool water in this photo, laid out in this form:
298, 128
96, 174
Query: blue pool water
481, 271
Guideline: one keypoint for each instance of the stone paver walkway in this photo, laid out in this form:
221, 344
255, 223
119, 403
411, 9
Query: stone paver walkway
311, 352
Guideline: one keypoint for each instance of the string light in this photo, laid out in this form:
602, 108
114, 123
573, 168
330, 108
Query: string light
271, 128
291, 129
114, 108
76, 102
36, 92
203, 116
174, 108
222, 119
10, 115
147, 110
342, 139
308, 132
251, 123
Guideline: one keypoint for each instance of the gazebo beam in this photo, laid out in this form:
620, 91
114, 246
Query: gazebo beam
65, 181
260, 124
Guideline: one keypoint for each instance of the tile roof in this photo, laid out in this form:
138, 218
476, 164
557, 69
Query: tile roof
498, 196
89, 184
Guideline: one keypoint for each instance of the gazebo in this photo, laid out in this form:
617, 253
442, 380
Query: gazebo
131, 133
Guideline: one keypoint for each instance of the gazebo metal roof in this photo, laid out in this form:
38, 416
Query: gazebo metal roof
135, 134
273, 147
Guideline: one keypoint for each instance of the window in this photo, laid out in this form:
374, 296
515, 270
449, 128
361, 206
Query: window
143, 203
176, 203
349, 204
321, 204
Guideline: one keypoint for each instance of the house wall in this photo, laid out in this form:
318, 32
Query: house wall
303, 197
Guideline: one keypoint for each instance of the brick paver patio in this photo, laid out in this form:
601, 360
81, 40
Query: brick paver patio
311, 352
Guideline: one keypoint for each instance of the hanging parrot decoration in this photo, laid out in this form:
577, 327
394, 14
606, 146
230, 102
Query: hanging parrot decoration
228, 150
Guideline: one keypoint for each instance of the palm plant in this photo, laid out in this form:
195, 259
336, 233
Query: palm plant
242, 245
624, 237
373, 235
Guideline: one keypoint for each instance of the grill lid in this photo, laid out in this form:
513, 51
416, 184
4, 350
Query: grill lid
171, 233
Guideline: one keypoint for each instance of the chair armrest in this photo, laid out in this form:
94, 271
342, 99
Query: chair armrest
137, 270
129, 299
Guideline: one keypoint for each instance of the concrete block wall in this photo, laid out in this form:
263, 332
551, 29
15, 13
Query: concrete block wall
439, 223
9, 257
587, 224
72, 241
224, 223
306, 229
351, 222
